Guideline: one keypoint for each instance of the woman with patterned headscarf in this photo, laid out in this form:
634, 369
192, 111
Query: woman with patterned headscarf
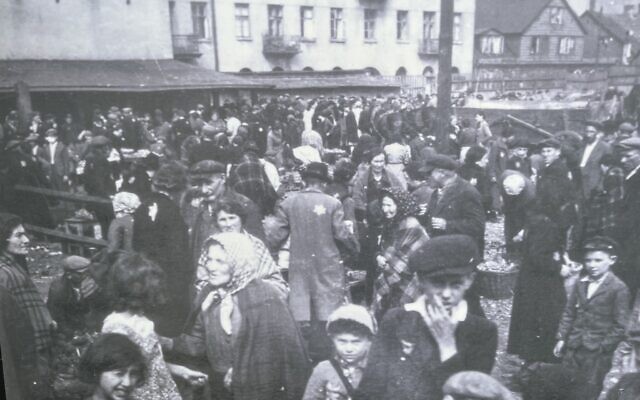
244, 327
402, 234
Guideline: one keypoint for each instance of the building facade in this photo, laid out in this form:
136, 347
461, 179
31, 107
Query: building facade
385, 36
611, 38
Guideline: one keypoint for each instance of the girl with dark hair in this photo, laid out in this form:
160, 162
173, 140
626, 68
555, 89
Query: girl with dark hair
474, 171
136, 287
114, 366
402, 235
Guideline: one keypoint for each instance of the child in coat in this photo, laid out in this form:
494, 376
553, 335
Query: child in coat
595, 317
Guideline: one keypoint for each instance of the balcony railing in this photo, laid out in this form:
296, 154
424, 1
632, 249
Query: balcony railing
186, 46
281, 45
428, 47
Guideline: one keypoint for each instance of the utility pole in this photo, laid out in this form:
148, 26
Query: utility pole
23, 97
445, 48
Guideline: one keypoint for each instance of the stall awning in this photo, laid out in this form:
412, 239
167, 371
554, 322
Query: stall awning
295, 80
116, 76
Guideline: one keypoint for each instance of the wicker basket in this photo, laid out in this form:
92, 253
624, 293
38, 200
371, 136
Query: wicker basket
496, 285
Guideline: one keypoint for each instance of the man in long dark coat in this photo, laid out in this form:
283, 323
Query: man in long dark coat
159, 232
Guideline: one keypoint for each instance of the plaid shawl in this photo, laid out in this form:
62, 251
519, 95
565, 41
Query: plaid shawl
249, 179
397, 284
16, 280
604, 205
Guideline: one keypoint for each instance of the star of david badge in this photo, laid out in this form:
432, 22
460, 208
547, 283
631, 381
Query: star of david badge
319, 209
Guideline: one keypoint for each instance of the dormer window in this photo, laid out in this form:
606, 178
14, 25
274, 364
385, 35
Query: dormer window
555, 15
492, 44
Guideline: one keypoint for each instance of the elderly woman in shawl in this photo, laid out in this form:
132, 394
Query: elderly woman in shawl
243, 326
402, 234
230, 216
311, 149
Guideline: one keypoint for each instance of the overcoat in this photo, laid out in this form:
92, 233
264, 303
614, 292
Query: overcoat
315, 223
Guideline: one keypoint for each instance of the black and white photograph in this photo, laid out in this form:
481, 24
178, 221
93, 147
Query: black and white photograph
320, 199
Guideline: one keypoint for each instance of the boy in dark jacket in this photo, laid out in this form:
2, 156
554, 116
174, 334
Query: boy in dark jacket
595, 316
420, 345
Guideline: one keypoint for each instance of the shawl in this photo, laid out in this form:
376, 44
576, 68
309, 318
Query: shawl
397, 284
406, 204
313, 139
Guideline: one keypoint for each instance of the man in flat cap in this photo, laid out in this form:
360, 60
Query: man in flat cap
420, 345
519, 156
625, 131
314, 223
590, 155
627, 229
75, 301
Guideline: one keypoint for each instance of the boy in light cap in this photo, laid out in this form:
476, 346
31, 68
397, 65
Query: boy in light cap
351, 329
443, 339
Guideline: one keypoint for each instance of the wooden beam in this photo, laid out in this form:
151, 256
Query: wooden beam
23, 106
67, 237
73, 197
529, 126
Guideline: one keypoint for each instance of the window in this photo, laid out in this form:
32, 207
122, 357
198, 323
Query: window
307, 27
567, 46
457, 28
539, 45
492, 44
337, 24
402, 25
199, 18
243, 26
275, 20
370, 16
626, 54
555, 15
172, 16
428, 25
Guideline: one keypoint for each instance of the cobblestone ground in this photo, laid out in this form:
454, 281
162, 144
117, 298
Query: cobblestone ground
44, 264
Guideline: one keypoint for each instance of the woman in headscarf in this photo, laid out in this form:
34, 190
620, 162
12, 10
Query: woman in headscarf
311, 149
230, 216
402, 234
244, 328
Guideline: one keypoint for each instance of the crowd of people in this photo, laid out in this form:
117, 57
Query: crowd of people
235, 233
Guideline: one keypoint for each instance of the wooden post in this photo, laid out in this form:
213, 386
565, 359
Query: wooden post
24, 107
444, 68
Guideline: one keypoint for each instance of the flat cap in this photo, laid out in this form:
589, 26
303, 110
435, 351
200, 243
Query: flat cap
631, 143
75, 263
99, 141
601, 243
439, 161
207, 167
51, 132
475, 385
518, 142
446, 255
554, 143
595, 124
627, 127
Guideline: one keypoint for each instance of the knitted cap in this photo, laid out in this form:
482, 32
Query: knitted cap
355, 313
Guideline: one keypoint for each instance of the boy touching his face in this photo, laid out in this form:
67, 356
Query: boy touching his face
596, 315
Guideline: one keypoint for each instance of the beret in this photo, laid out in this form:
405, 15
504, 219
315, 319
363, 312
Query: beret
554, 143
629, 144
445, 255
207, 167
602, 243
75, 263
439, 161
355, 313
476, 385
627, 127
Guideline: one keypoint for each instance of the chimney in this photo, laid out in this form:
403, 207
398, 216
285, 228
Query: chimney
592, 5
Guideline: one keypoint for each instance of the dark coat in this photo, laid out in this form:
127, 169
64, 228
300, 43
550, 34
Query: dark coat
390, 374
597, 323
461, 207
352, 127
522, 165
516, 207
591, 172
478, 178
556, 192
62, 163
539, 296
627, 234
165, 241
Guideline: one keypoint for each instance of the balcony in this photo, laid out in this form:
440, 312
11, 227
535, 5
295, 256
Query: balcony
186, 47
287, 46
428, 47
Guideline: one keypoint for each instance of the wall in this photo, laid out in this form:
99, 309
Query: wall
594, 50
386, 54
84, 29
183, 25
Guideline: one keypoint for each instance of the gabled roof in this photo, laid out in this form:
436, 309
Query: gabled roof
115, 75
618, 25
512, 16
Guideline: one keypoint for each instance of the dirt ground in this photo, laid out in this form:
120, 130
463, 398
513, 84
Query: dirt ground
45, 258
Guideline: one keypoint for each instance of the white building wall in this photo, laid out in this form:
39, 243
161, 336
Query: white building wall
386, 54
85, 29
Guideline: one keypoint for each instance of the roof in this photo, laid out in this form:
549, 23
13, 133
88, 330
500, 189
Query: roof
618, 25
114, 75
511, 16
290, 80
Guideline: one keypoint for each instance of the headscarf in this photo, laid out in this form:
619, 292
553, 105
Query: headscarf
125, 202
405, 202
313, 139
